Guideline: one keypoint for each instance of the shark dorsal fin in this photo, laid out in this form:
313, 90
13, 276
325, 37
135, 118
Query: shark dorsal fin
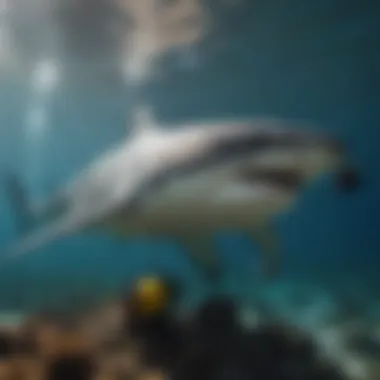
144, 122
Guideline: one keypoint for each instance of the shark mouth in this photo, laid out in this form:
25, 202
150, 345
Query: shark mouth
284, 178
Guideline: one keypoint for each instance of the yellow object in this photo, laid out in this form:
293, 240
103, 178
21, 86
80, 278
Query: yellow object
151, 295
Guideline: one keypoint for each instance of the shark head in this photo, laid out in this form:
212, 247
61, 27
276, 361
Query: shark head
229, 174
284, 156
274, 151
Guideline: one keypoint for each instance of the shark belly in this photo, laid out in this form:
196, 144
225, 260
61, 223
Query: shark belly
201, 204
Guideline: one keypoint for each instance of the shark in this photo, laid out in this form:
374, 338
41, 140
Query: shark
187, 182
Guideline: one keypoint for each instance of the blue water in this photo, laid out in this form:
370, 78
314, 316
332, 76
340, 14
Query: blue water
313, 60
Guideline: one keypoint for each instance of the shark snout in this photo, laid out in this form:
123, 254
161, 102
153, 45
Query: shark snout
348, 178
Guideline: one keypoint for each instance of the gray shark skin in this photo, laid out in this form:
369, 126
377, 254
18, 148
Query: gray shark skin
187, 183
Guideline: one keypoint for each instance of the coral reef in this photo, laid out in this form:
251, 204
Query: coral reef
290, 332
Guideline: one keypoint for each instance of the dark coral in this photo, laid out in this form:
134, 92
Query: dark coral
7, 345
222, 350
73, 368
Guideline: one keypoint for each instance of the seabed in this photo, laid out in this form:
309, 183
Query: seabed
342, 318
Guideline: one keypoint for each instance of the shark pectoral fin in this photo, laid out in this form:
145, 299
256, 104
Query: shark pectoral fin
202, 253
265, 236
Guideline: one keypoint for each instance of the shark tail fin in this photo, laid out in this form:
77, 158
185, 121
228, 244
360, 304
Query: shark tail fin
19, 201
